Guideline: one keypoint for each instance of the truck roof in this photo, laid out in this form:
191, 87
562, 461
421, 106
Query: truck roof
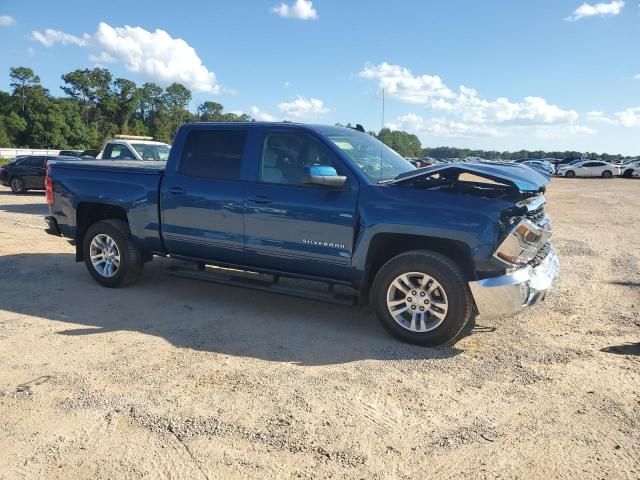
323, 129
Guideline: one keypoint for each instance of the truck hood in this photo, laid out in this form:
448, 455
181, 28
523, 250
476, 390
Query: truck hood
521, 177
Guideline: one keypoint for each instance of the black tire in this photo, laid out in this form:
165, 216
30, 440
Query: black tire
570, 174
447, 274
628, 173
131, 259
607, 174
17, 185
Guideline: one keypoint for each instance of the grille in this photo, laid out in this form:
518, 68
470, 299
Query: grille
541, 255
536, 216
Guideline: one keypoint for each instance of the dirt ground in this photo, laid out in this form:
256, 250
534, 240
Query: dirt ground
172, 378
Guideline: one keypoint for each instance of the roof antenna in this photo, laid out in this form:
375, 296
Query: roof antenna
381, 142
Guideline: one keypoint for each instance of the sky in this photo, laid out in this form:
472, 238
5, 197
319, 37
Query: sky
492, 74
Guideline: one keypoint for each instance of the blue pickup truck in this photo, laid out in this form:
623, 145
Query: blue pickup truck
428, 248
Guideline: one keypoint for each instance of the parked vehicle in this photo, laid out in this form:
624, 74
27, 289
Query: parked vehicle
427, 247
628, 168
589, 169
27, 172
70, 153
126, 147
90, 153
541, 165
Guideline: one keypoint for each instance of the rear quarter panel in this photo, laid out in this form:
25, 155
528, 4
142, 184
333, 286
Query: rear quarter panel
134, 190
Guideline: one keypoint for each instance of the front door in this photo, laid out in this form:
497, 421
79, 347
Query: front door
293, 227
202, 201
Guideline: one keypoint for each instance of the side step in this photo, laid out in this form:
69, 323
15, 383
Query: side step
265, 283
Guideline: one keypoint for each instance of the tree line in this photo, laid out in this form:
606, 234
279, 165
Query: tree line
96, 106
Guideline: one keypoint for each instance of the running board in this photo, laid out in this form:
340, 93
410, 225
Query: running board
236, 278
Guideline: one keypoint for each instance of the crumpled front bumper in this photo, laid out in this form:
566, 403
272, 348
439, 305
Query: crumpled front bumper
515, 291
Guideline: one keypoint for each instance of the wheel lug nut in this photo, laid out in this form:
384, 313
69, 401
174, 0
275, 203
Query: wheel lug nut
422, 294
414, 293
413, 307
422, 309
409, 299
426, 302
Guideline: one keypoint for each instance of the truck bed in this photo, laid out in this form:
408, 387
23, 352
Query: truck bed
132, 186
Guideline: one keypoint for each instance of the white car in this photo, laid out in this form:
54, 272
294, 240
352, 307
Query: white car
628, 168
125, 147
589, 169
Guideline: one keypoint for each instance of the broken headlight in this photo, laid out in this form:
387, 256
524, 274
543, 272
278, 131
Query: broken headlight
522, 243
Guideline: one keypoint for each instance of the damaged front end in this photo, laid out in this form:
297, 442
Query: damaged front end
530, 264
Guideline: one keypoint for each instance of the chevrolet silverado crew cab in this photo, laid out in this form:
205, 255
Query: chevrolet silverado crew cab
428, 248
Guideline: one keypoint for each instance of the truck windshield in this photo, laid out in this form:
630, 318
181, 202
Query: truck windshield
152, 152
377, 161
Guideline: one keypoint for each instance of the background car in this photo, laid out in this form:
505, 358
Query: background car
628, 168
542, 165
589, 169
70, 153
27, 172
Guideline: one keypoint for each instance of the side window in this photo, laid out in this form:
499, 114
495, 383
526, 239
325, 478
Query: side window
284, 156
213, 154
118, 152
33, 162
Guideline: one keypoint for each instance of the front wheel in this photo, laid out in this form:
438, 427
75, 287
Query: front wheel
570, 174
607, 174
110, 255
421, 297
17, 185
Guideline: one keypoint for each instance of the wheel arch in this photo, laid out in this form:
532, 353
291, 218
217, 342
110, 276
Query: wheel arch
88, 213
385, 246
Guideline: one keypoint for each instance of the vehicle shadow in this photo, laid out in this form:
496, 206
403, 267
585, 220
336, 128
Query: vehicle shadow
32, 193
626, 349
199, 315
25, 208
626, 283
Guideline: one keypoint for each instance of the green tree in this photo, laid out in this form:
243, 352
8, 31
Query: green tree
23, 79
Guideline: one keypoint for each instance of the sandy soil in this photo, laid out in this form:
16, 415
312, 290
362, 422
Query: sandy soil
172, 378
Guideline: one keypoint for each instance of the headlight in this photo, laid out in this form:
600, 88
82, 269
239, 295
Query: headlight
522, 243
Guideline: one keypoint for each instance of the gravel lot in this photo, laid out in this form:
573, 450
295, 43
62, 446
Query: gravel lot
172, 378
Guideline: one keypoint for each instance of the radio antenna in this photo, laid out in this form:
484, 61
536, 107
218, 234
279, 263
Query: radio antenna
381, 142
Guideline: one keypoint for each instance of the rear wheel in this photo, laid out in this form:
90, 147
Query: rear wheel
570, 174
110, 255
421, 297
17, 185
607, 174
628, 173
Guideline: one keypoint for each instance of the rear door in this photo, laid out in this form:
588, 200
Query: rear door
33, 171
202, 197
294, 227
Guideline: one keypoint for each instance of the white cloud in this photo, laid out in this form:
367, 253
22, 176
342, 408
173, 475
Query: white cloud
156, 55
599, 116
261, 115
440, 127
469, 112
103, 57
636, 77
303, 107
50, 37
532, 110
301, 9
598, 9
629, 117
6, 21
398, 82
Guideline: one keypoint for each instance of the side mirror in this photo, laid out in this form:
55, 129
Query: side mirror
323, 176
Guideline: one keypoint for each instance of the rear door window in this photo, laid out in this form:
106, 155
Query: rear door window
213, 154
